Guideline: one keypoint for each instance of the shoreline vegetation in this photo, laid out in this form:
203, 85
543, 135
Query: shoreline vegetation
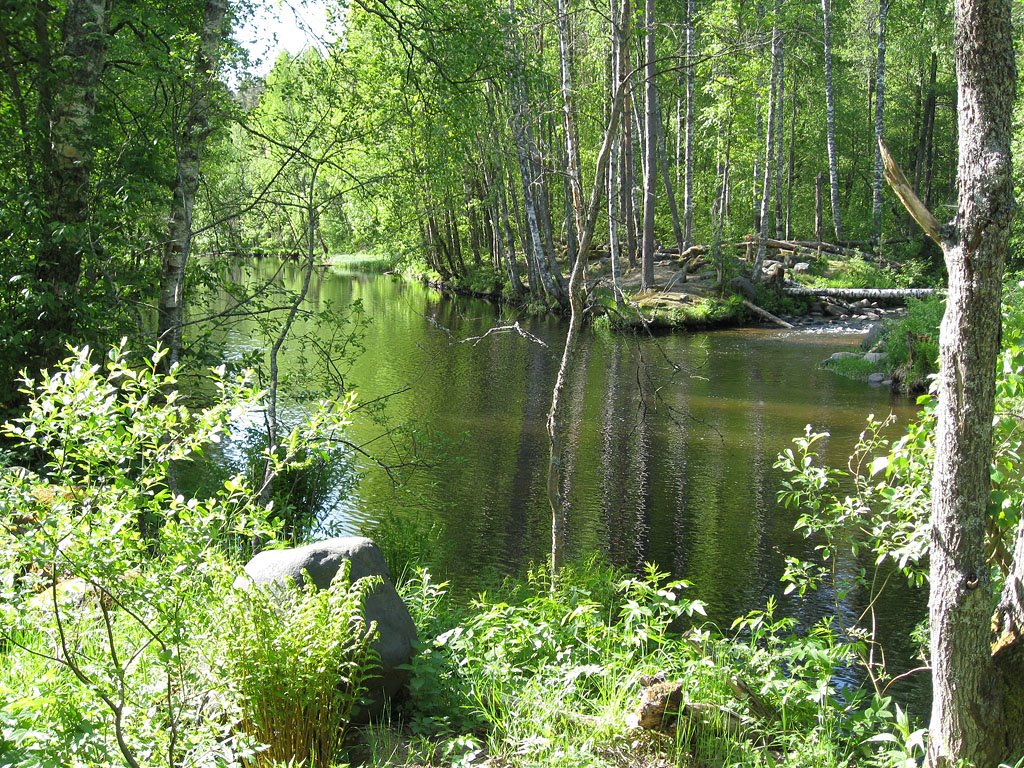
111, 657
901, 334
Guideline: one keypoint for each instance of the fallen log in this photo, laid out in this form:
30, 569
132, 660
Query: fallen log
855, 294
765, 314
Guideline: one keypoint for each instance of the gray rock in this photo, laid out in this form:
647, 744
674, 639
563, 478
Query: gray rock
743, 287
876, 357
801, 267
323, 560
835, 310
876, 379
841, 356
873, 336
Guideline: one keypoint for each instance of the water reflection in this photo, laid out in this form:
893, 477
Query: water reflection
669, 444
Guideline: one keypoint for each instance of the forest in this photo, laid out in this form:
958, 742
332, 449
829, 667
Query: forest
450, 276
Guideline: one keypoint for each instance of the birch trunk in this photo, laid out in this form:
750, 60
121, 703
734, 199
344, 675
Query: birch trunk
769, 159
690, 110
780, 134
67, 165
791, 166
195, 129
613, 161
524, 154
650, 152
626, 188
876, 198
568, 113
666, 180
830, 122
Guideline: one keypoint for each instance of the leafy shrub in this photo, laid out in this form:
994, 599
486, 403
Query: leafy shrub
912, 343
110, 582
547, 676
299, 659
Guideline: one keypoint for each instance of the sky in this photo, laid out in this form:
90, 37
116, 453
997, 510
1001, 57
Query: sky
282, 25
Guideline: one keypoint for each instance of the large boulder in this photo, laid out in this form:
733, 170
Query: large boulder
322, 560
743, 286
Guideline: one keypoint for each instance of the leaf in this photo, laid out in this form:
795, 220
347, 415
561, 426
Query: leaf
879, 464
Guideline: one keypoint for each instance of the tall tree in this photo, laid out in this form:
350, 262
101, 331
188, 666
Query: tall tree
650, 150
830, 121
977, 659
879, 183
73, 87
690, 53
193, 130
770, 141
978, 696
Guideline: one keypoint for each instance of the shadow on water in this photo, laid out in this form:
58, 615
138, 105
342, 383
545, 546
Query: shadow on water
670, 445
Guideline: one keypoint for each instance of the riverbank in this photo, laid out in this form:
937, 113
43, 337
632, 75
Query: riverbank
681, 302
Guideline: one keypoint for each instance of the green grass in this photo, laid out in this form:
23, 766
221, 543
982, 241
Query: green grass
527, 675
856, 368
362, 262
913, 343
858, 272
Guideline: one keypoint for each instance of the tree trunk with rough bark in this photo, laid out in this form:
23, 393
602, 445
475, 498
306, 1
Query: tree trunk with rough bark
976, 659
769, 155
613, 162
780, 136
67, 165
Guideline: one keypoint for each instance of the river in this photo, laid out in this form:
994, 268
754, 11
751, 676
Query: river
670, 442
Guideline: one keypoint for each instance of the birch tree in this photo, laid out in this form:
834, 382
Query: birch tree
830, 122
194, 129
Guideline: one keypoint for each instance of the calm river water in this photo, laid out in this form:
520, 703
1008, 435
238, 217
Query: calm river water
670, 444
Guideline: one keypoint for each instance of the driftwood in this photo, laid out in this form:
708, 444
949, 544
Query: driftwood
855, 294
664, 708
766, 314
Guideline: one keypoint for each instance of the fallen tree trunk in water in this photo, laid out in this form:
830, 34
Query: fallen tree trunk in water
855, 294
765, 314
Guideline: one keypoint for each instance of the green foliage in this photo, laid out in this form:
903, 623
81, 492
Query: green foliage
547, 676
299, 658
880, 503
306, 478
113, 587
912, 343
108, 576
860, 272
